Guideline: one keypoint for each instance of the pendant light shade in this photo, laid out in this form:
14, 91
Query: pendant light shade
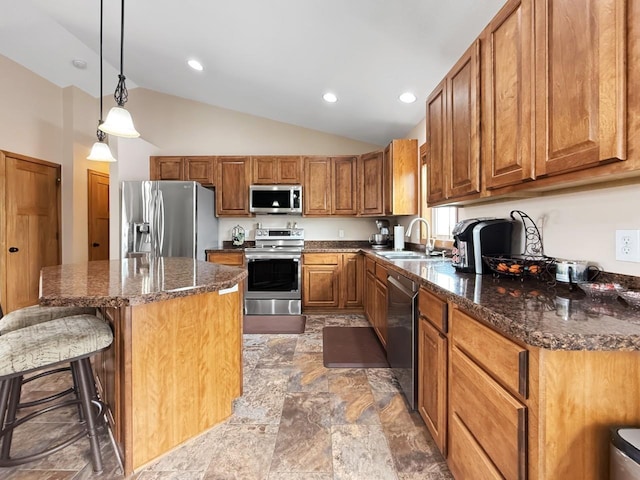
119, 122
100, 151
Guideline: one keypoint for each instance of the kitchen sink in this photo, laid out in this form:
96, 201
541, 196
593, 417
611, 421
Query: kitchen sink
409, 255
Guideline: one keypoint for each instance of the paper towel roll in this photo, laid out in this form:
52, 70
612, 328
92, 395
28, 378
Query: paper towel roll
398, 237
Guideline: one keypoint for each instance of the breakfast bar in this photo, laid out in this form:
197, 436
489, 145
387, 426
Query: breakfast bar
175, 365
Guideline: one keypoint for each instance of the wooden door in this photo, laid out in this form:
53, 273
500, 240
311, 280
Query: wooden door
288, 170
200, 169
401, 177
507, 50
32, 227
436, 144
264, 170
344, 186
581, 83
352, 277
380, 307
166, 168
371, 176
317, 186
463, 124
98, 196
320, 286
232, 192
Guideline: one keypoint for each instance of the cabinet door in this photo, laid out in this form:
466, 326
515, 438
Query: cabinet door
200, 169
320, 286
344, 186
232, 192
369, 297
507, 49
288, 170
436, 144
166, 168
264, 170
463, 118
316, 196
351, 279
401, 177
432, 381
371, 174
380, 307
580, 83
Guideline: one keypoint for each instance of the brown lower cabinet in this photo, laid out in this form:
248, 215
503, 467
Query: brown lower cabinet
332, 281
234, 259
376, 298
521, 412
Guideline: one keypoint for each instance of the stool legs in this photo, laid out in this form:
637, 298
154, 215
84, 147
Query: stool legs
87, 393
10, 418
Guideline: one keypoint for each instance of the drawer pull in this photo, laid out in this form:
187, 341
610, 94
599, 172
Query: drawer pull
523, 373
445, 318
522, 444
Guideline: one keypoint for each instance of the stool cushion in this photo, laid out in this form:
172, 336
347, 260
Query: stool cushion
25, 317
57, 341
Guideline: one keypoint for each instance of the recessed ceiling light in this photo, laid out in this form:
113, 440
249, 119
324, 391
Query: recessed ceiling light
78, 63
196, 65
407, 97
330, 97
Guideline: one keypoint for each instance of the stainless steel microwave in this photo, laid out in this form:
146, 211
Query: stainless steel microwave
275, 199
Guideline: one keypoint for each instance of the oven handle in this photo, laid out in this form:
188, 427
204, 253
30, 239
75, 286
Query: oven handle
252, 258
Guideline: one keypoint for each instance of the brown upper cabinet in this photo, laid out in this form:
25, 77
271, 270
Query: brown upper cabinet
507, 139
330, 186
580, 83
232, 181
197, 169
371, 177
401, 177
554, 109
277, 170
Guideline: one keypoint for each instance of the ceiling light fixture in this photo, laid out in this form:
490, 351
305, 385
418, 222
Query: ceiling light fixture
407, 97
79, 63
119, 122
330, 97
196, 65
100, 151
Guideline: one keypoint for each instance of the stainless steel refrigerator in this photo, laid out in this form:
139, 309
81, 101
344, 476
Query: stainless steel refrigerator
167, 219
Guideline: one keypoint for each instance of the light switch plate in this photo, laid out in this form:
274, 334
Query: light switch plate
628, 245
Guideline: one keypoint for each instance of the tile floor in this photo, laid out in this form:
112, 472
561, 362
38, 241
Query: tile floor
296, 421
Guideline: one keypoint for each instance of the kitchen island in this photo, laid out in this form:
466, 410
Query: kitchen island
175, 365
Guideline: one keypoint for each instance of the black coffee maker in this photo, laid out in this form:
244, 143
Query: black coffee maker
475, 237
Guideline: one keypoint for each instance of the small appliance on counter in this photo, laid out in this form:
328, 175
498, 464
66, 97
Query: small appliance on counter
380, 239
575, 271
237, 236
475, 237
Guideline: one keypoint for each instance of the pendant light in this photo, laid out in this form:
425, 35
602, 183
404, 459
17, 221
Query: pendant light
119, 122
100, 150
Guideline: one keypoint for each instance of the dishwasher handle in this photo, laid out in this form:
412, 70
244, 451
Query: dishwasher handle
409, 287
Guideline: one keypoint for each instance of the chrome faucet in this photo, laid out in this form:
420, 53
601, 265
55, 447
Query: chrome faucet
429, 244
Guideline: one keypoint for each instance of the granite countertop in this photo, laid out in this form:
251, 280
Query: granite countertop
134, 281
531, 311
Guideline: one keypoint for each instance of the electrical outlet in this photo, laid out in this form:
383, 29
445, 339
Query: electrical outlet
341, 233
628, 245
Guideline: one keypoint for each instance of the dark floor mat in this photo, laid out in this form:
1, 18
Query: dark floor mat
352, 347
274, 323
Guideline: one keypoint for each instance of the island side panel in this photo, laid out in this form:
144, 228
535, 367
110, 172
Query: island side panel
186, 356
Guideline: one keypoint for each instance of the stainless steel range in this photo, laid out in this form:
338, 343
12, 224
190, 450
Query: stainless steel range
273, 286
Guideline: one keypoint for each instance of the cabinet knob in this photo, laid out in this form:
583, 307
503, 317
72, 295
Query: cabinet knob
13, 249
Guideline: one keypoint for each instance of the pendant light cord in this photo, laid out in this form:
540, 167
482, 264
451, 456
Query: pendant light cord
121, 95
100, 133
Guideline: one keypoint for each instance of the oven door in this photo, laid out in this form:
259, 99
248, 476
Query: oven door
273, 277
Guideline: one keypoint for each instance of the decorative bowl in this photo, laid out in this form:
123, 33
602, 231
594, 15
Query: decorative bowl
632, 297
599, 291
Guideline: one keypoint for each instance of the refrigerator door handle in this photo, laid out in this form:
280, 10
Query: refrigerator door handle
160, 222
153, 223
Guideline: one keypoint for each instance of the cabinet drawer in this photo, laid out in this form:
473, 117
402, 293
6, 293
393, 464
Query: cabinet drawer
371, 265
502, 358
433, 309
320, 259
468, 459
226, 258
381, 273
494, 418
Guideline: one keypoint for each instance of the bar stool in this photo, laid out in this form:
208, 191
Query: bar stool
42, 346
28, 316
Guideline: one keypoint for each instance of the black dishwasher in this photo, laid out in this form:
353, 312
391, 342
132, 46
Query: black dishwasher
402, 342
